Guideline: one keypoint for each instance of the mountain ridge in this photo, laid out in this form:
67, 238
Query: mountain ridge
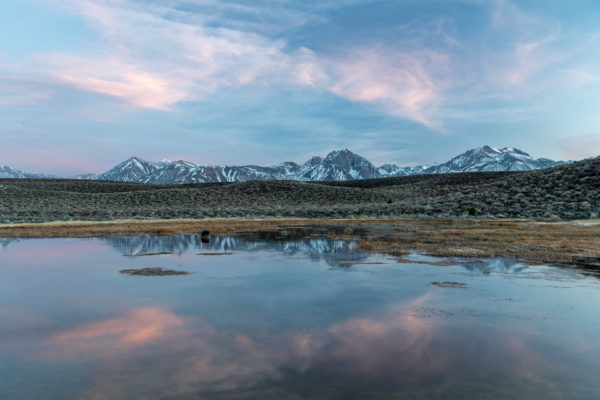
338, 165
8, 172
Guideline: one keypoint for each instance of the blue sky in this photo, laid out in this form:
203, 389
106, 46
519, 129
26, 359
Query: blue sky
85, 84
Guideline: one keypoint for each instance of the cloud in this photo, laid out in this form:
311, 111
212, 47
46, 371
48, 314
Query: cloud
579, 77
112, 77
153, 59
534, 46
405, 84
156, 55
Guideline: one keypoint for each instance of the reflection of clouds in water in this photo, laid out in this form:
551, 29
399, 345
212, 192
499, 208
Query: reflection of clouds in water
395, 340
137, 327
501, 265
153, 353
173, 355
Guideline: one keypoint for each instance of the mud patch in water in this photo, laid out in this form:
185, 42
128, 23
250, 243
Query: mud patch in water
152, 271
447, 284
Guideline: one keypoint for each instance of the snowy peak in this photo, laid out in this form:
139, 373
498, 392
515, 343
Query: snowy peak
338, 165
133, 169
12, 173
488, 158
8, 172
347, 160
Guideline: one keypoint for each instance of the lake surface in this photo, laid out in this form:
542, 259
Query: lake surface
299, 319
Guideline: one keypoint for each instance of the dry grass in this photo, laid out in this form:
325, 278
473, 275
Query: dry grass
555, 243
136, 227
166, 227
531, 241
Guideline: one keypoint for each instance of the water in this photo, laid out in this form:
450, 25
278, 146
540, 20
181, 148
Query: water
301, 319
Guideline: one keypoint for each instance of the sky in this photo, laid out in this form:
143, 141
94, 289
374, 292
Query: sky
85, 84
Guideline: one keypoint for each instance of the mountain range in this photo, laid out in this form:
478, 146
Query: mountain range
337, 165
8, 172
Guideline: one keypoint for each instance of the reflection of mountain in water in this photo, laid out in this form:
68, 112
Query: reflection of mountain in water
502, 265
334, 252
5, 242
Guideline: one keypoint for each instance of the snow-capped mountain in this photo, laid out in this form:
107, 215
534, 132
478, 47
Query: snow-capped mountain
337, 165
488, 158
8, 172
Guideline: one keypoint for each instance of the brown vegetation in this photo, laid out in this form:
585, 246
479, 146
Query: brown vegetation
567, 243
531, 241
155, 227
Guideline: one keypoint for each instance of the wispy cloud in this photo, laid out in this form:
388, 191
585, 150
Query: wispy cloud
403, 83
153, 59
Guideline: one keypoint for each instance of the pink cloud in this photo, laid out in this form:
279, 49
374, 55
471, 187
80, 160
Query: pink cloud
152, 61
143, 90
406, 84
155, 62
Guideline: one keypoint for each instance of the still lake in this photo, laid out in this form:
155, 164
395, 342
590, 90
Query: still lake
304, 319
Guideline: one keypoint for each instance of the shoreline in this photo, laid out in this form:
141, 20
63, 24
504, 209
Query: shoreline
162, 227
569, 243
